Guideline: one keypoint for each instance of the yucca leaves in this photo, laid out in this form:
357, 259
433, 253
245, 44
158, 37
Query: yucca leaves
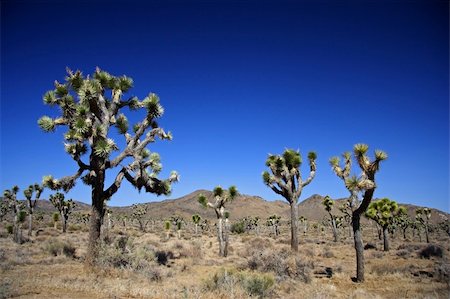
104, 147
266, 178
202, 200
154, 108
47, 124
380, 155
218, 191
360, 149
125, 83
49, 98
232, 192
383, 211
122, 124
328, 203
292, 159
312, 156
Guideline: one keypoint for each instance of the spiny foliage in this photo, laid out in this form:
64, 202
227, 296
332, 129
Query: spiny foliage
89, 107
64, 206
383, 211
196, 218
221, 197
328, 203
286, 179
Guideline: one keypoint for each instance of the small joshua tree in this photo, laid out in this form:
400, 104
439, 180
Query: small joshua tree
304, 221
286, 181
221, 197
10, 197
139, 213
196, 219
274, 221
55, 218
31, 203
328, 204
383, 212
63, 206
364, 184
90, 108
403, 221
167, 228
423, 215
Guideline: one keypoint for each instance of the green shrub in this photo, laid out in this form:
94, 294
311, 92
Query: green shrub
9, 229
238, 227
258, 284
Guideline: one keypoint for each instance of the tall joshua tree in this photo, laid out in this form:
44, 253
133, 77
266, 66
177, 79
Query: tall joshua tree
10, 196
90, 107
286, 181
383, 212
364, 184
274, 222
139, 213
423, 215
221, 197
328, 204
63, 206
31, 203
403, 220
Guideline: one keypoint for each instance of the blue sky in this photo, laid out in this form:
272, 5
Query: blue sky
239, 80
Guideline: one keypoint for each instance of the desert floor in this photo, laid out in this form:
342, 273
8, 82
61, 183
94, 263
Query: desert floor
133, 265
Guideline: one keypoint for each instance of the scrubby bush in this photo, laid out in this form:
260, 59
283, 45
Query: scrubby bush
162, 257
238, 227
283, 263
442, 271
230, 281
431, 250
9, 229
57, 247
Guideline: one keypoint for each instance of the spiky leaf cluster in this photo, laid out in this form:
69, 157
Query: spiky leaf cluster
285, 178
90, 106
328, 203
273, 220
196, 218
221, 197
383, 211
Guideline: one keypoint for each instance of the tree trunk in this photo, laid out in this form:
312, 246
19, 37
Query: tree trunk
223, 248
335, 232
64, 223
16, 230
426, 233
96, 219
359, 247
404, 234
385, 239
196, 229
294, 227
30, 222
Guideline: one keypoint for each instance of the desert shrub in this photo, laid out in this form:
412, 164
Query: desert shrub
442, 273
256, 284
377, 254
5, 289
238, 227
229, 281
162, 257
409, 247
388, 268
403, 253
431, 250
328, 253
370, 246
282, 263
9, 229
57, 247
153, 274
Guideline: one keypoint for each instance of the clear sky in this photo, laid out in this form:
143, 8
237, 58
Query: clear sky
239, 80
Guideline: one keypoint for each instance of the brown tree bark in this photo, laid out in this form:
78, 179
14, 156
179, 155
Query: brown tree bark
294, 226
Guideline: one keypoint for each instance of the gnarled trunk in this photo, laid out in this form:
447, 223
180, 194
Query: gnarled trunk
359, 247
294, 226
426, 232
30, 222
96, 218
335, 232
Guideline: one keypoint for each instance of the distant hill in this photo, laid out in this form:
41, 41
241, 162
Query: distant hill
242, 206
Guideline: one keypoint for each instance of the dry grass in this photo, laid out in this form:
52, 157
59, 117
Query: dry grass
31, 270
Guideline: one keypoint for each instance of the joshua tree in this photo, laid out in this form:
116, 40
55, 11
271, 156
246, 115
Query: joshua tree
328, 204
64, 207
366, 184
139, 213
4, 208
55, 219
196, 219
89, 109
423, 215
31, 203
286, 181
221, 197
304, 222
274, 222
10, 197
383, 212
402, 220
167, 228
347, 210
179, 225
